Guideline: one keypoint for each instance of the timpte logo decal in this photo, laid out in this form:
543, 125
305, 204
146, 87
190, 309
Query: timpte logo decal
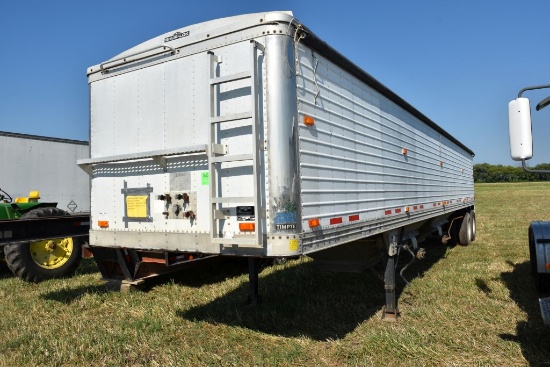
176, 35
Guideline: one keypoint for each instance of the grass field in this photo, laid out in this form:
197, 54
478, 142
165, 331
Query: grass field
466, 306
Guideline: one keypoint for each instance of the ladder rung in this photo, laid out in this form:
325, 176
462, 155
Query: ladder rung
232, 158
232, 117
233, 199
230, 78
251, 242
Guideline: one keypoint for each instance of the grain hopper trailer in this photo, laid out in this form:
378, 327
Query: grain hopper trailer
42, 232
521, 149
250, 136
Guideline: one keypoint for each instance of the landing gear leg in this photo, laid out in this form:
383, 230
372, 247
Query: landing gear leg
253, 270
390, 312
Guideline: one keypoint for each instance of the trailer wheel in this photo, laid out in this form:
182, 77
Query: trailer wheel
473, 225
465, 233
542, 280
41, 260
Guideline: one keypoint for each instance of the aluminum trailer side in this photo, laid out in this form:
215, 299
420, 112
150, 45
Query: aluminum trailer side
32, 162
250, 136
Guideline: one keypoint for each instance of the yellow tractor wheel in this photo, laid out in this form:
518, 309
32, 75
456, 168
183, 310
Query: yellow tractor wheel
53, 253
41, 260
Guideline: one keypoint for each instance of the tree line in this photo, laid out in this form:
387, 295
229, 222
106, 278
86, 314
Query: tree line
485, 172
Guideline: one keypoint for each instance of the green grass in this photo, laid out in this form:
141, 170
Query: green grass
465, 306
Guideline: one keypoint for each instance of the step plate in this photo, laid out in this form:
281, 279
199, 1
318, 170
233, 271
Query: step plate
545, 309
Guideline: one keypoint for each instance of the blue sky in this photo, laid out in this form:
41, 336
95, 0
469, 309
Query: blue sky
459, 62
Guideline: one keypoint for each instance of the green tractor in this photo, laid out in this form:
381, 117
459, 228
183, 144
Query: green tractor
40, 260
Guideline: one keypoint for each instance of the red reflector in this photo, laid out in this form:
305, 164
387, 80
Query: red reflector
397, 211
421, 206
336, 220
387, 212
415, 207
353, 217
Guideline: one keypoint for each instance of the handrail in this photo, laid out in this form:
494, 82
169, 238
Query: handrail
125, 59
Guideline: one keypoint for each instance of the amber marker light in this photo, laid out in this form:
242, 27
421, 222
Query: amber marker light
103, 223
247, 227
315, 222
404, 151
309, 121
547, 266
407, 209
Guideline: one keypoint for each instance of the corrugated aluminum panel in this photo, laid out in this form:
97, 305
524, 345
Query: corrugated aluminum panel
352, 160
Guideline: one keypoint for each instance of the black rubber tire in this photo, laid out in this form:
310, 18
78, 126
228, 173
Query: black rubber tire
542, 280
465, 233
473, 225
3, 266
21, 263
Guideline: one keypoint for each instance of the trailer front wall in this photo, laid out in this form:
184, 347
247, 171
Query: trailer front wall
163, 106
366, 158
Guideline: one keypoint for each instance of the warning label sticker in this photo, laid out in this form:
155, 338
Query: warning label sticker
136, 206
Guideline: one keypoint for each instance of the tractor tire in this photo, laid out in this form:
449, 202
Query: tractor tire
3, 266
542, 280
465, 233
41, 260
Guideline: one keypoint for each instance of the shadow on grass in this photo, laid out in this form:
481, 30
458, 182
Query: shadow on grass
71, 295
532, 335
213, 271
299, 300
87, 266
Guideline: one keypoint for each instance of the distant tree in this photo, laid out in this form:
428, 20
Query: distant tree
485, 172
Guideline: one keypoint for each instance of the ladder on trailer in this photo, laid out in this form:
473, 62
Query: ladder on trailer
218, 154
